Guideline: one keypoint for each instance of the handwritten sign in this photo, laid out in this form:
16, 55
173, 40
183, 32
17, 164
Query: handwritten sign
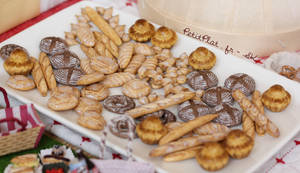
227, 49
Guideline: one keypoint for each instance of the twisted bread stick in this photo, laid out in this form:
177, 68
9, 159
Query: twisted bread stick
47, 70
39, 78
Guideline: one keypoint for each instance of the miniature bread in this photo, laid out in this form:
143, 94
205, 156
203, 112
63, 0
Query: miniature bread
103, 25
202, 59
164, 37
186, 127
86, 37
92, 121
102, 50
276, 98
47, 70
85, 66
185, 143
211, 128
125, 54
104, 64
39, 78
108, 43
20, 82
160, 104
90, 78
89, 51
18, 63
90, 114
212, 156
135, 63
136, 88
149, 64
251, 110
95, 91
141, 31
151, 130
143, 49
183, 155
256, 100
117, 79
238, 144
248, 125
87, 105
64, 98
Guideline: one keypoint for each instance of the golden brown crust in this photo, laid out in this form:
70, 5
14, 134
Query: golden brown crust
96, 91
202, 59
93, 122
151, 130
185, 143
256, 100
103, 25
212, 156
89, 51
88, 79
63, 98
238, 144
160, 104
141, 31
85, 66
164, 37
117, 79
183, 155
86, 37
108, 44
20, 82
248, 126
47, 71
136, 88
211, 128
276, 98
104, 64
87, 106
143, 49
251, 110
186, 127
26, 160
39, 78
148, 65
135, 64
18, 63
125, 55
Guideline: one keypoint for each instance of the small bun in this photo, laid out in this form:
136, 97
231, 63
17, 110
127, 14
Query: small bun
141, 31
202, 59
276, 98
164, 37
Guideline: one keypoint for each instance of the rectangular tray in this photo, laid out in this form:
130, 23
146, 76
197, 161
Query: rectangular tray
288, 121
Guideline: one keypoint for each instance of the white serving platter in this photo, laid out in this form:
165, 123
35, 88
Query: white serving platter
288, 121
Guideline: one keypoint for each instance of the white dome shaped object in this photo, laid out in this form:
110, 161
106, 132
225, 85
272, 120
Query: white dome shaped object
261, 27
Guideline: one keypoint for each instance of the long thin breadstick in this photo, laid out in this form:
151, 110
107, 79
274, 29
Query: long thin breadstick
272, 129
248, 126
186, 127
47, 70
160, 104
182, 155
103, 25
185, 143
256, 100
255, 114
251, 110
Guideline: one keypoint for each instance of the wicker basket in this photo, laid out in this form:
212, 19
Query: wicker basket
27, 131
